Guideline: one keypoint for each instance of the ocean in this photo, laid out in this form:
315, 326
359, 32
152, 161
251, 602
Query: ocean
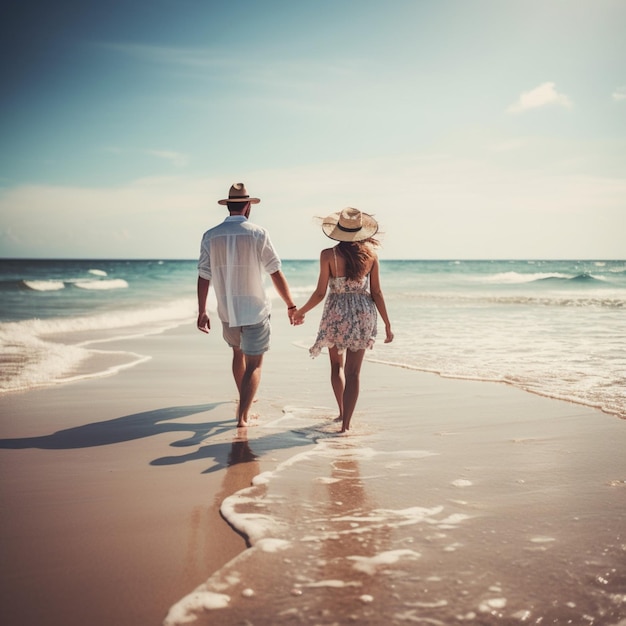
387, 525
554, 328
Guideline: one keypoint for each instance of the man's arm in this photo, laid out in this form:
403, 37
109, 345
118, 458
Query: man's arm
281, 286
204, 324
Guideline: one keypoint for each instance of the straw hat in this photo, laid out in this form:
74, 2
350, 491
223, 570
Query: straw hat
349, 225
238, 193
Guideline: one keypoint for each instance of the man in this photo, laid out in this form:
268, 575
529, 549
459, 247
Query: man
233, 258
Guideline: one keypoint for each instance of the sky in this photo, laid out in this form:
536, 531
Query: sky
471, 129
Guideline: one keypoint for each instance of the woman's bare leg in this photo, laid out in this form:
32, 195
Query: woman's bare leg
354, 360
337, 378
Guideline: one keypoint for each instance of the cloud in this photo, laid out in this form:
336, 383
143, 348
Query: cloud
151, 217
428, 206
9, 237
199, 58
541, 96
287, 75
177, 159
509, 146
619, 94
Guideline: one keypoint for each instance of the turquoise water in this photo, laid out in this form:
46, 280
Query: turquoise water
556, 328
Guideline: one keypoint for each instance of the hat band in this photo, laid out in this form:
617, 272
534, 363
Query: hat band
349, 230
237, 197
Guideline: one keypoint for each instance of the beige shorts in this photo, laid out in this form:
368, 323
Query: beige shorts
252, 340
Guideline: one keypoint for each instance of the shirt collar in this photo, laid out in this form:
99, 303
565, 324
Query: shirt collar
236, 218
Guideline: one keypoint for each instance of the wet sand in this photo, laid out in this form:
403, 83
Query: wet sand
483, 505
111, 487
102, 522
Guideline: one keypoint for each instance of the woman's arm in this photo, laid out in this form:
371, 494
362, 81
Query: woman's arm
322, 285
379, 299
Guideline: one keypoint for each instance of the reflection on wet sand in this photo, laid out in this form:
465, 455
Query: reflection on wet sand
204, 521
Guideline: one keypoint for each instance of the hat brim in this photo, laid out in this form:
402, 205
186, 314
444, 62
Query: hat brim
242, 200
330, 226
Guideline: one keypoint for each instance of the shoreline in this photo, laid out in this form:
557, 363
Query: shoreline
113, 485
485, 504
620, 415
101, 525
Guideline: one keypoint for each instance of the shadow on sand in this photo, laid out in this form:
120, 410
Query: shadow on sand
237, 451
159, 421
127, 428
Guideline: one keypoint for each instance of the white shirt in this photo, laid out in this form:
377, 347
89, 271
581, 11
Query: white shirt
234, 256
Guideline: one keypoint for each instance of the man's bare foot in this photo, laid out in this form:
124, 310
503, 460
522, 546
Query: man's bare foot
242, 423
339, 418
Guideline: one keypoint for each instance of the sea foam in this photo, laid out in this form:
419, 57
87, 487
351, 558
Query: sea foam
117, 283
30, 359
44, 285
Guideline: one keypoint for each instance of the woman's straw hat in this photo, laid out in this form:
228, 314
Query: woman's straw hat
349, 225
238, 193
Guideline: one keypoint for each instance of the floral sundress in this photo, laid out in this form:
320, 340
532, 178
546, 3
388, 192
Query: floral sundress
349, 318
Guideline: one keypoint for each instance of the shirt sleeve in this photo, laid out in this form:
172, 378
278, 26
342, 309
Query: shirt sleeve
204, 263
269, 258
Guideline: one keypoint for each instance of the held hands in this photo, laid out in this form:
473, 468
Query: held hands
204, 324
291, 312
295, 317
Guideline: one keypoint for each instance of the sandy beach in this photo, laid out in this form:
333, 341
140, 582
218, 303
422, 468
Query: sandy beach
112, 487
95, 530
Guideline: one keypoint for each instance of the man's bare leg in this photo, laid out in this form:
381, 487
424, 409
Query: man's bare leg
249, 386
239, 367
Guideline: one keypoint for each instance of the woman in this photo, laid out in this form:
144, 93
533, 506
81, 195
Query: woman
348, 325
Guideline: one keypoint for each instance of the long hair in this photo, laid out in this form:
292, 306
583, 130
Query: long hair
357, 255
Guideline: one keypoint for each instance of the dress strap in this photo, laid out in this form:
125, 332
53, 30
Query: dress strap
335, 257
